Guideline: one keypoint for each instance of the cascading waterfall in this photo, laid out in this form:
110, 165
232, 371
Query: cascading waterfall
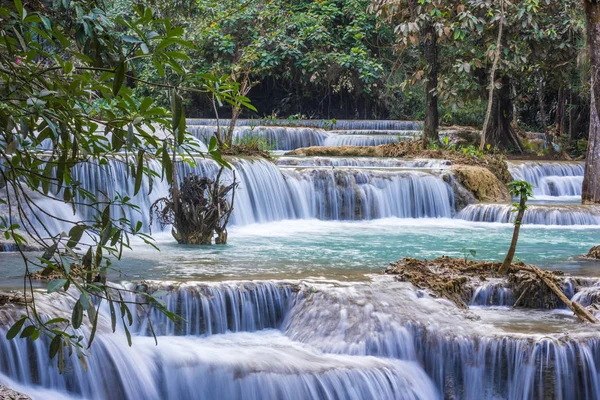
218, 308
372, 162
203, 365
268, 193
275, 137
385, 339
466, 360
362, 140
535, 214
378, 125
556, 179
293, 134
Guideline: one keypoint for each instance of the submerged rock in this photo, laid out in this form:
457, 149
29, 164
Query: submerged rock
9, 394
484, 185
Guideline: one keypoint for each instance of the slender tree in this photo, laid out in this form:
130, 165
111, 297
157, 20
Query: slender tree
521, 189
423, 24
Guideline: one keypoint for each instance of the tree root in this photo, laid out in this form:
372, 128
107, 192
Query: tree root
456, 280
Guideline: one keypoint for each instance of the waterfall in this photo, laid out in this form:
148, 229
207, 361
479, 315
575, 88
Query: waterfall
492, 294
301, 340
267, 193
373, 162
466, 359
274, 137
258, 365
372, 125
535, 214
555, 179
218, 308
362, 140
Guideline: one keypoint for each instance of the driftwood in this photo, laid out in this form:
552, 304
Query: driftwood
198, 210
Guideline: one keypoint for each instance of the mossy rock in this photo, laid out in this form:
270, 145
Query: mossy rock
480, 181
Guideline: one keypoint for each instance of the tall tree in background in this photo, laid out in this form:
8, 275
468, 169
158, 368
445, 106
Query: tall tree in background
591, 179
423, 24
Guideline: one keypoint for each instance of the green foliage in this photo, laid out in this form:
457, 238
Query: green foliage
254, 143
65, 100
466, 252
521, 190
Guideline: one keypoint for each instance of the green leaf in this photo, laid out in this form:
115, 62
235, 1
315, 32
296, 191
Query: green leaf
15, 329
139, 172
56, 321
159, 293
94, 327
55, 345
56, 284
75, 235
28, 331
77, 316
119, 77
167, 165
113, 315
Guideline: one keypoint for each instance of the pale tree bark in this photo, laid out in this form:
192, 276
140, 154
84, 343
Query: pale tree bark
591, 179
245, 87
515, 238
542, 107
486, 121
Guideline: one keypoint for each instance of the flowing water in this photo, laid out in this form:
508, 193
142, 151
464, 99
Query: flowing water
295, 305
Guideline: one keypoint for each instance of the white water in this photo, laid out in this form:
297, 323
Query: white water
550, 179
375, 340
535, 214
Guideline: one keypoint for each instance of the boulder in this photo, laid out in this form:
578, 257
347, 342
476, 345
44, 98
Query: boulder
482, 183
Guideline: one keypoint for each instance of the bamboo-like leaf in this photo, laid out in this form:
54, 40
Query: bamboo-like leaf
15, 329
77, 315
119, 77
139, 172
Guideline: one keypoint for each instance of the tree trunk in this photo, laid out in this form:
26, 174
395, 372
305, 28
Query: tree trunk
500, 133
542, 106
560, 119
515, 238
591, 178
431, 122
486, 122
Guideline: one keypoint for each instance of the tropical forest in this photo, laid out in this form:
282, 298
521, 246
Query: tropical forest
299, 199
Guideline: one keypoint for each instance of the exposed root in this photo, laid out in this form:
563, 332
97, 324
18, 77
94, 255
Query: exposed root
456, 279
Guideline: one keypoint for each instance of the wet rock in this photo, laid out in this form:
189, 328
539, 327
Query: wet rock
12, 298
494, 163
8, 245
481, 182
462, 197
594, 253
9, 394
